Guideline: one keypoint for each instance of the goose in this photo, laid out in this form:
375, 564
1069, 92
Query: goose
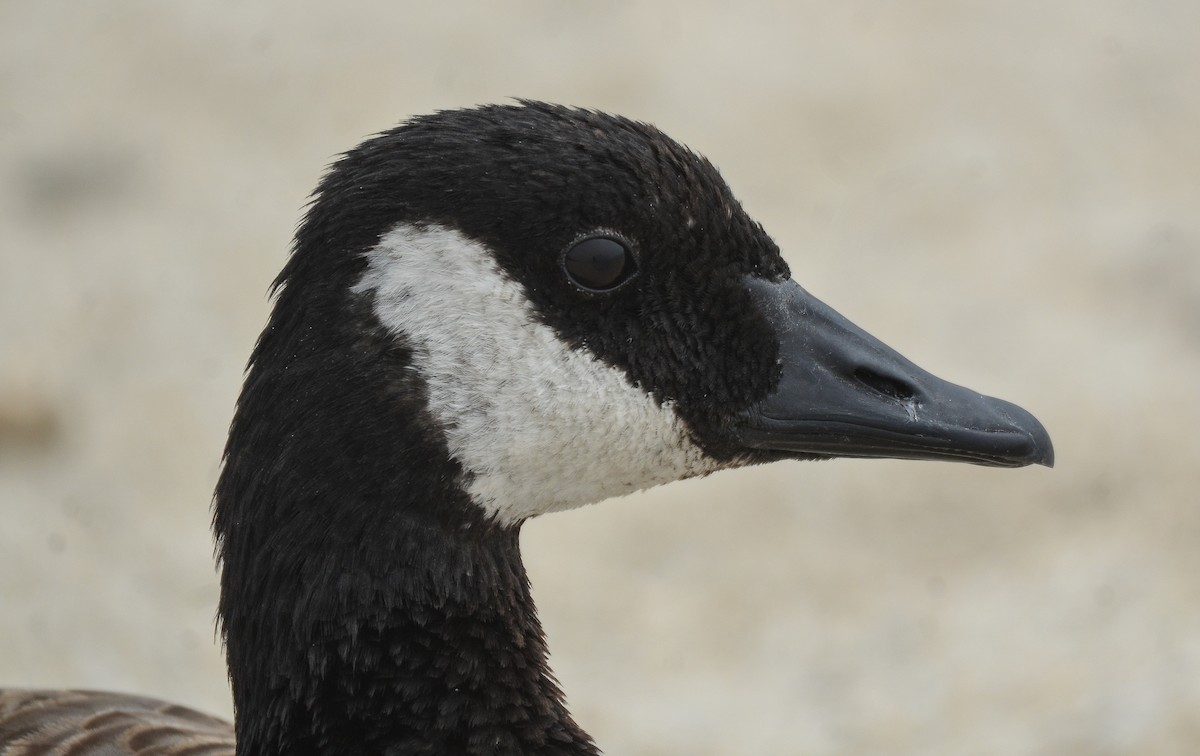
490, 314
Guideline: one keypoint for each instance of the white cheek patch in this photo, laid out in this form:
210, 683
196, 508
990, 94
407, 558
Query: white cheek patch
539, 426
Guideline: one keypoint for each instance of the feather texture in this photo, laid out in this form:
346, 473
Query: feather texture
77, 722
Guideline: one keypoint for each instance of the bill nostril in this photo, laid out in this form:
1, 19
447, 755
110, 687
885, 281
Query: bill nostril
886, 385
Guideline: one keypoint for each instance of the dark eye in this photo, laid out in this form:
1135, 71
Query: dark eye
599, 263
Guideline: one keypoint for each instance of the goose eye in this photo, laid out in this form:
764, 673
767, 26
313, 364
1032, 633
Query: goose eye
599, 263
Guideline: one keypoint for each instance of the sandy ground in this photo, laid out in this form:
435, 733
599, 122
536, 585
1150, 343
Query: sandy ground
1008, 194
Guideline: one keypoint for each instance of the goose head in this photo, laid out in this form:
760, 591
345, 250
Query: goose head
591, 312
497, 313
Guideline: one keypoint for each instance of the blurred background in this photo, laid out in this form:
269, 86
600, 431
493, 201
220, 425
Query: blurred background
1008, 193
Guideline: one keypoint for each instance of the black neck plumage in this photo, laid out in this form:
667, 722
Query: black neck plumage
367, 605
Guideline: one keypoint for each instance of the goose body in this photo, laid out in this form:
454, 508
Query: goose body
488, 315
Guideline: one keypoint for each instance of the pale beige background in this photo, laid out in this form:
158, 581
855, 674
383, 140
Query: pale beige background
1009, 193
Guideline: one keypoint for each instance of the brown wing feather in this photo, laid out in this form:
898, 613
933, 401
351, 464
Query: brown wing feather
82, 722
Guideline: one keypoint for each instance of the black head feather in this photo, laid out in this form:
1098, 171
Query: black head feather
353, 561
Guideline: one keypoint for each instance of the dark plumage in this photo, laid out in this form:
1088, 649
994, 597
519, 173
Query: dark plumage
373, 598
371, 577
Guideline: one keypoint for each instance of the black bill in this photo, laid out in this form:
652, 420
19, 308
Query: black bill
844, 393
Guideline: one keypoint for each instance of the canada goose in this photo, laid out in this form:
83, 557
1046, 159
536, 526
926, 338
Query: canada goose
490, 314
